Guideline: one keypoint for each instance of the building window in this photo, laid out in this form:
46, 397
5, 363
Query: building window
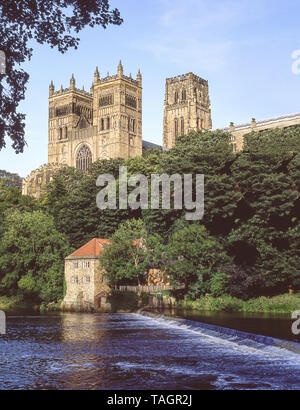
74, 279
182, 126
106, 100
176, 127
234, 148
83, 158
86, 265
75, 265
86, 279
60, 133
198, 123
108, 123
176, 97
102, 124
183, 95
133, 125
130, 101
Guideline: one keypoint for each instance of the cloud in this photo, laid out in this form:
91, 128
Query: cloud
199, 34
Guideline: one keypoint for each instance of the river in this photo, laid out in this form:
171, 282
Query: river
130, 351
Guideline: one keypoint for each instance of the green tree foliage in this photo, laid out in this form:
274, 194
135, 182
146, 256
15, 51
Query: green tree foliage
194, 258
265, 236
131, 253
12, 199
9, 179
247, 244
53, 22
71, 199
32, 256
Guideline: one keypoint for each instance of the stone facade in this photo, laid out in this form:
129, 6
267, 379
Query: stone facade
187, 107
34, 184
104, 123
86, 286
83, 126
239, 131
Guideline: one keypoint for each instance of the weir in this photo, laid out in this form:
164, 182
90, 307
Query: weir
217, 331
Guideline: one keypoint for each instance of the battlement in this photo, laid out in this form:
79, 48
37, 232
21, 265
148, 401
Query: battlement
63, 91
185, 77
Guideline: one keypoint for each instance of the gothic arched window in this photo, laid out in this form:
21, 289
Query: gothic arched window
176, 127
183, 95
182, 126
83, 158
176, 97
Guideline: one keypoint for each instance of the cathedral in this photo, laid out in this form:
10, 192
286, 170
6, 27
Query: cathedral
101, 124
106, 122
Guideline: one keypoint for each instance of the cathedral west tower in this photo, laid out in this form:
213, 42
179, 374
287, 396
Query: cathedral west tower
104, 123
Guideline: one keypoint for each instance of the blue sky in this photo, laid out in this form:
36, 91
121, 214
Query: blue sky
242, 47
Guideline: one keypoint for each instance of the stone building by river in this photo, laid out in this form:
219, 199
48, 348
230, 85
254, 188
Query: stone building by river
85, 280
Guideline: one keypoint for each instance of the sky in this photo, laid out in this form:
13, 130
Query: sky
243, 48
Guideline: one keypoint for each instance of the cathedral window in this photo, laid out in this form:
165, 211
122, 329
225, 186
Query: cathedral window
108, 123
176, 97
195, 93
176, 127
198, 123
130, 101
133, 125
102, 124
183, 95
182, 126
60, 133
106, 100
83, 158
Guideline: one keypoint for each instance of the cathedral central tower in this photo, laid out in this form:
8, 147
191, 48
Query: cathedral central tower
187, 107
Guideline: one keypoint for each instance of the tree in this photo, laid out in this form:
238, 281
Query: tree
11, 199
71, 199
194, 257
131, 253
53, 22
9, 179
32, 256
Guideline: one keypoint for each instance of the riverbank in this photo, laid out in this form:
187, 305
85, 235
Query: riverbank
278, 304
17, 304
129, 302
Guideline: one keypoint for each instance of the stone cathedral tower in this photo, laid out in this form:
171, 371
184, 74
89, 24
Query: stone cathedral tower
187, 107
101, 124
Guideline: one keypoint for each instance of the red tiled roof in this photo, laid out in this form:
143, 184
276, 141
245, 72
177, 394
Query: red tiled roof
92, 248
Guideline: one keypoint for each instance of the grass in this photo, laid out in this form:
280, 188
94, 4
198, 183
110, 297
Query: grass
278, 304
